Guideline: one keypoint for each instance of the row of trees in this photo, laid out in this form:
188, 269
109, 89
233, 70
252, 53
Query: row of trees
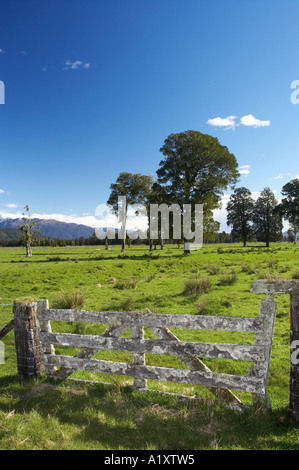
263, 219
195, 169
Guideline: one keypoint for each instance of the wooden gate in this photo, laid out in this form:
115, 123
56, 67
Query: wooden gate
167, 343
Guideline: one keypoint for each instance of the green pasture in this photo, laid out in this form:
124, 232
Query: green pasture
212, 281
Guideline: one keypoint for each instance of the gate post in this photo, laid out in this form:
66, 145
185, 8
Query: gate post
28, 348
291, 287
294, 372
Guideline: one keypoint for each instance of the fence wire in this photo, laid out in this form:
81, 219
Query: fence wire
9, 367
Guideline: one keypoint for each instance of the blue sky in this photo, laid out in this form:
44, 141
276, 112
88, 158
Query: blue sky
93, 87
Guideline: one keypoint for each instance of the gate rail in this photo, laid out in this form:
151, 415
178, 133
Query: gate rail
33, 326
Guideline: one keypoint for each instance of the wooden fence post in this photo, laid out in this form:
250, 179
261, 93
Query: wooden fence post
294, 373
287, 286
28, 348
45, 326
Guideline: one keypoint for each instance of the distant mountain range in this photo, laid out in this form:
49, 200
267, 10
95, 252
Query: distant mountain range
51, 228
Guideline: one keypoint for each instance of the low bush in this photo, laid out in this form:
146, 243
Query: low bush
228, 279
197, 286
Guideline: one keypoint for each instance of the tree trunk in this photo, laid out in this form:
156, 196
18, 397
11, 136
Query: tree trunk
150, 246
106, 244
162, 244
294, 372
28, 250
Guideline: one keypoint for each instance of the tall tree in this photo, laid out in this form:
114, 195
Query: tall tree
136, 188
195, 170
267, 222
289, 206
239, 214
27, 231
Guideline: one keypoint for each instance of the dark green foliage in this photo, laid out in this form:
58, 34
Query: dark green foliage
239, 214
267, 221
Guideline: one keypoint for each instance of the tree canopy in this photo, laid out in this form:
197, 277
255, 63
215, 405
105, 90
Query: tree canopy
239, 214
289, 206
196, 169
135, 187
267, 222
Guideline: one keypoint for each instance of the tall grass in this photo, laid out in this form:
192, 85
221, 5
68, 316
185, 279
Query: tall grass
126, 284
228, 279
74, 300
197, 286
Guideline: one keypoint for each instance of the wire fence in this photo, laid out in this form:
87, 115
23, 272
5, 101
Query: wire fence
8, 366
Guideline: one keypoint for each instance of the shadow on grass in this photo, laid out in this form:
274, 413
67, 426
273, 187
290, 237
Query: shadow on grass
114, 417
57, 259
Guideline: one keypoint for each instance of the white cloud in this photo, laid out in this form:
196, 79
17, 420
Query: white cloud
251, 121
69, 65
244, 170
1, 51
23, 52
44, 69
2, 191
228, 122
11, 205
278, 177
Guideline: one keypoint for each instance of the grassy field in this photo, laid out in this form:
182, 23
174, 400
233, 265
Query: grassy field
213, 281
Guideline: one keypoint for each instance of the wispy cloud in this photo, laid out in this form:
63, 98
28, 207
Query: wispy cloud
230, 122
244, 170
278, 177
1, 51
23, 52
2, 191
11, 205
69, 65
44, 69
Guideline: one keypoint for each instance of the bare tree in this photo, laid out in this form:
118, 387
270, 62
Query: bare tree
27, 231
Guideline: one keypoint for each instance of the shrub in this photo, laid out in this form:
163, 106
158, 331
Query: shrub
126, 284
271, 263
197, 286
212, 268
228, 279
248, 269
69, 300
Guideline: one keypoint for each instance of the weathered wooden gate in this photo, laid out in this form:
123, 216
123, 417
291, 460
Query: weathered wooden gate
167, 343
